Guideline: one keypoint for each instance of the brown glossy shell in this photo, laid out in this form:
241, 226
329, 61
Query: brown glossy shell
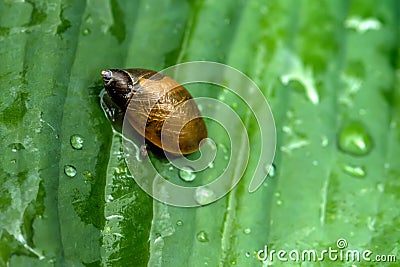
154, 98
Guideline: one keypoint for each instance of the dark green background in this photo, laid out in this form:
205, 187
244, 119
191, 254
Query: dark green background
51, 56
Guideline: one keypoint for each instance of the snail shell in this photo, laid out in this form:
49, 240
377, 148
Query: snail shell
156, 105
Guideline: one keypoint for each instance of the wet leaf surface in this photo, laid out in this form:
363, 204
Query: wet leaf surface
330, 72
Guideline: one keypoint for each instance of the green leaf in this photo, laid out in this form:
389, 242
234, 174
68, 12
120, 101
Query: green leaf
329, 70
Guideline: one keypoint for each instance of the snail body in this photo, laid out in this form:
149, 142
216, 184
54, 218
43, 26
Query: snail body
158, 108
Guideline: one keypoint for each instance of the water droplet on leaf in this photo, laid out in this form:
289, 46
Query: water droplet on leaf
70, 170
296, 142
355, 140
380, 187
186, 174
76, 141
324, 141
362, 25
270, 170
202, 236
247, 231
302, 74
204, 196
356, 171
223, 148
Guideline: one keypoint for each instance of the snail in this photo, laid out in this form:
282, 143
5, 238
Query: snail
158, 108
